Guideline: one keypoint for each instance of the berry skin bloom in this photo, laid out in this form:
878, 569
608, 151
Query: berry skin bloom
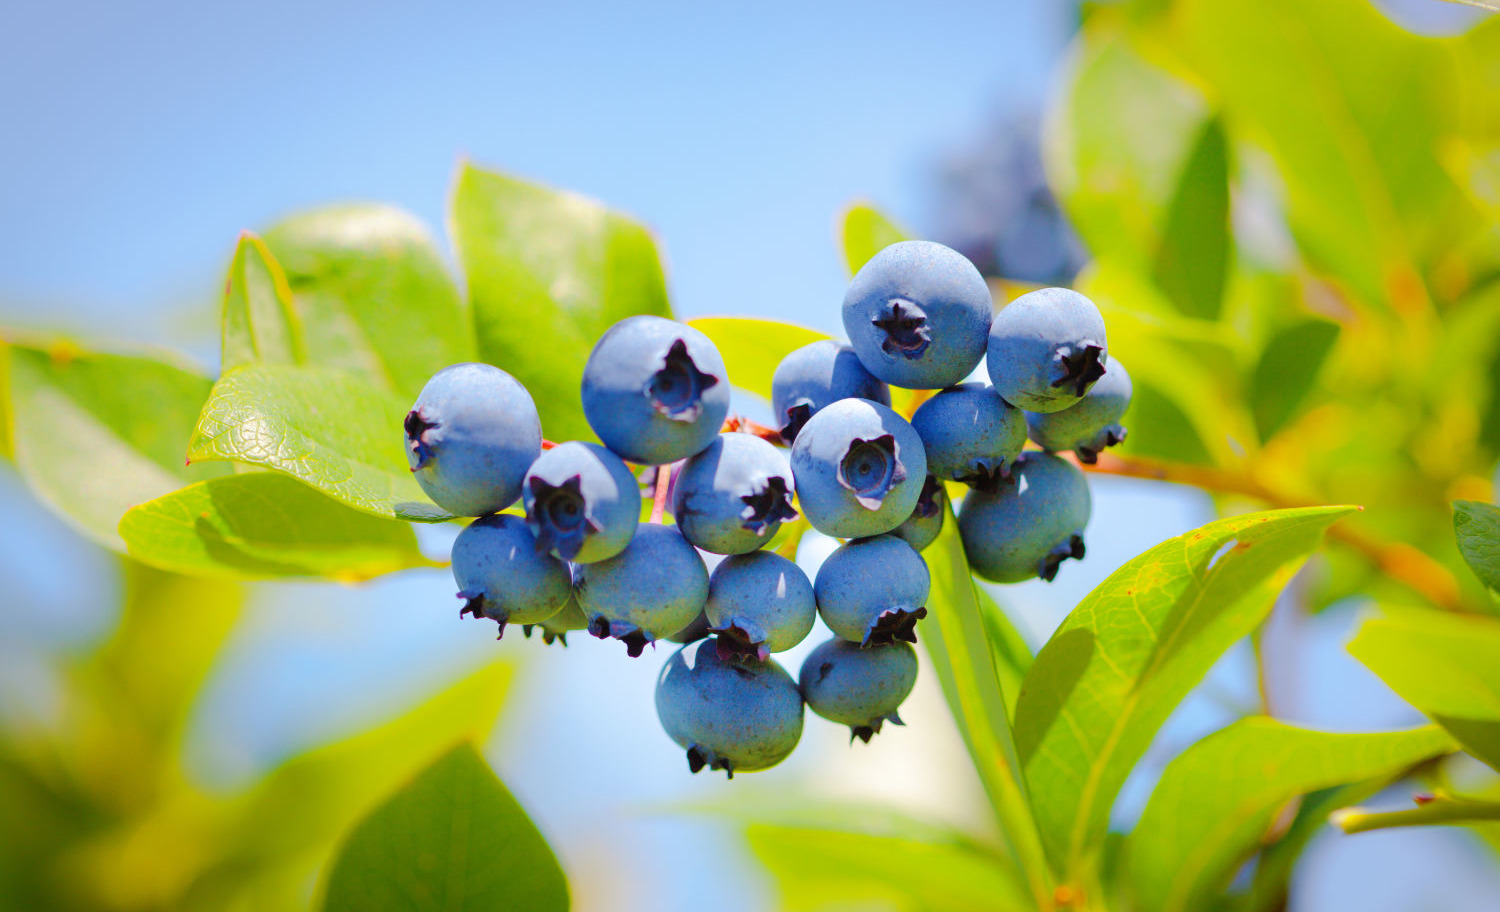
1046, 349
654, 588
859, 469
732, 497
1027, 526
1091, 424
817, 375
970, 434
502, 575
873, 590
858, 686
581, 502
759, 603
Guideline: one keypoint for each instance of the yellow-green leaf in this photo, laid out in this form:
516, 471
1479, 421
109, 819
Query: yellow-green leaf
752, 348
260, 326
865, 231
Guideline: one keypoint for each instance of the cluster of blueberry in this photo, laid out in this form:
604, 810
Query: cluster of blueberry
919, 316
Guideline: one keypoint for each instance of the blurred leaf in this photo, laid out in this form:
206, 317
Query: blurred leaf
1159, 429
864, 232
263, 525
1477, 528
828, 869
7, 417
1286, 371
753, 348
956, 640
1217, 800
1013, 656
1437, 810
451, 839
260, 324
1446, 665
1132, 649
548, 272
373, 294
1193, 259
97, 433
324, 427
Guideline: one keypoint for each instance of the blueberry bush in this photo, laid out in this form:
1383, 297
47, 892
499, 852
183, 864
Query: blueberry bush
1293, 217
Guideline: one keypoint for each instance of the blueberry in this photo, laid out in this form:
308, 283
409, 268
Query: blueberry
858, 686
582, 502
655, 390
728, 715
649, 591
470, 437
732, 497
759, 603
970, 434
1046, 349
859, 469
1026, 526
1090, 425
873, 590
502, 575
926, 520
556, 628
816, 375
917, 315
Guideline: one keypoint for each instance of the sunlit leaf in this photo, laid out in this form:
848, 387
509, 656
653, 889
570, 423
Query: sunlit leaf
260, 325
1192, 261
327, 428
1217, 800
1013, 656
1477, 528
372, 294
1132, 649
865, 231
1286, 371
97, 433
753, 348
263, 525
7, 432
451, 839
548, 272
1446, 665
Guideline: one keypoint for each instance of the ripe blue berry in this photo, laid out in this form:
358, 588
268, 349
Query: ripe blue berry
557, 627
1046, 349
649, 591
759, 603
970, 434
873, 590
728, 715
1092, 424
502, 575
926, 520
732, 497
859, 469
470, 437
655, 390
917, 314
1026, 526
816, 375
582, 502
858, 686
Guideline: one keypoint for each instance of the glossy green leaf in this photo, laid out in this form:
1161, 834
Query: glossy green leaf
752, 348
263, 525
548, 272
327, 428
1217, 800
373, 294
1287, 369
1132, 649
1012, 654
1192, 261
1477, 528
98, 433
1446, 665
864, 232
452, 839
260, 325
957, 640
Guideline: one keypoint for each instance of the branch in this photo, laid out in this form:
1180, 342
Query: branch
1430, 810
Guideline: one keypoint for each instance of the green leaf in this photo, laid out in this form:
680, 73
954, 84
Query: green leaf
865, 231
548, 272
452, 839
956, 639
1192, 262
263, 525
373, 295
1270, 889
324, 427
1477, 528
1012, 654
1288, 366
97, 433
1217, 800
752, 348
260, 325
1446, 665
7, 417
1132, 649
